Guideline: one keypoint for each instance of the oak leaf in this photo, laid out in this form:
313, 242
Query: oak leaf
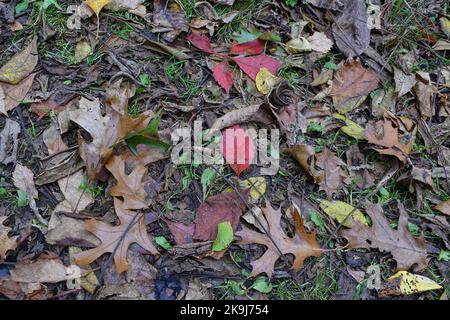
383, 134
6, 243
302, 245
333, 174
405, 249
129, 186
111, 237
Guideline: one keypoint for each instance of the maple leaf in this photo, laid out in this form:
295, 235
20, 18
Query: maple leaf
237, 148
302, 245
252, 65
248, 48
333, 175
110, 237
353, 80
201, 42
222, 74
385, 135
131, 186
226, 206
405, 249
6, 243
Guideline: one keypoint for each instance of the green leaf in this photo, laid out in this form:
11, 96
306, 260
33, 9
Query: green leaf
262, 285
47, 3
317, 220
331, 66
224, 236
144, 78
236, 287
206, 179
22, 6
413, 228
134, 141
444, 255
270, 36
162, 242
22, 199
246, 36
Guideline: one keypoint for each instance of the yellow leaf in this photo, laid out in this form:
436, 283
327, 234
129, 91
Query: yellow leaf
265, 81
97, 5
340, 210
413, 283
445, 25
351, 128
298, 45
257, 187
82, 50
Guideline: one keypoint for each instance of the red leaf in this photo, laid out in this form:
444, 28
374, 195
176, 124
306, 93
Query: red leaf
222, 74
201, 42
227, 206
237, 148
248, 48
182, 233
252, 65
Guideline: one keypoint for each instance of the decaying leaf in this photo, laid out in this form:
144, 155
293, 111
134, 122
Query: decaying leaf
169, 15
403, 82
443, 207
383, 134
405, 249
227, 206
353, 80
424, 93
129, 186
332, 173
13, 94
350, 29
23, 179
265, 81
6, 243
405, 283
42, 270
351, 128
21, 64
75, 198
9, 141
319, 42
113, 237
82, 50
302, 245
342, 212
298, 45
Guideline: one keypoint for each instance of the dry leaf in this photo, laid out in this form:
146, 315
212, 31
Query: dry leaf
443, 207
386, 137
6, 243
405, 249
23, 179
9, 142
129, 186
319, 42
14, 94
82, 50
111, 237
41, 270
350, 29
302, 245
75, 199
403, 82
21, 64
424, 93
332, 172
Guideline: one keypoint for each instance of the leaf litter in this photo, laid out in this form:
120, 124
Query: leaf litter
91, 92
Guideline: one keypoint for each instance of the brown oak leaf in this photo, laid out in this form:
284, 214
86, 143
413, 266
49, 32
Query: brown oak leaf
302, 245
129, 186
6, 243
111, 237
333, 173
386, 137
405, 249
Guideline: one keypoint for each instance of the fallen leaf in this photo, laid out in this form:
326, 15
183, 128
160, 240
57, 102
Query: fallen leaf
353, 80
424, 93
383, 134
256, 185
302, 245
169, 14
6, 243
350, 29
405, 249
9, 142
332, 177
265, 81
252, 65
21, 64
249, 48
405, 283
319, 42
222, 74
441, 45
14, 94
129, 186
82, 50
382, 101
182, 232
23, 179
237, 148
403, 82
111, 237
227, 206
443, 207
445, 25
75, 198
224, 236
351, 128
255, 217
42, 270
340, 210
97, 5
201, 42
298, 45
